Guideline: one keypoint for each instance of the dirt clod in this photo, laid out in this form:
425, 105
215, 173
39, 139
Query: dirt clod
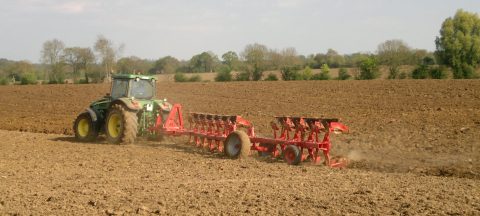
92, 203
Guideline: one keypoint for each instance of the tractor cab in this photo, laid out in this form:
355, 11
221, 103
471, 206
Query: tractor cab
129, 109
139, 87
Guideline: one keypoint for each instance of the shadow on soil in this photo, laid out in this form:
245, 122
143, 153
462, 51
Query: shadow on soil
367, 165
71, 139
190, 149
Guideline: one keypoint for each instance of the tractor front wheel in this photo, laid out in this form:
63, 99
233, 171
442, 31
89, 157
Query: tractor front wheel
85, 128
121, 125
237, 145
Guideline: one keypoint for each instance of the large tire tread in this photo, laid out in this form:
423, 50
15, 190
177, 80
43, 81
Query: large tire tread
93, 131
245, 145
129, 122
293, 155
131, 126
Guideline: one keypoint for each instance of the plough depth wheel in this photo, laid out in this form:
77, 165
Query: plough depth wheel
237, 145
293, 155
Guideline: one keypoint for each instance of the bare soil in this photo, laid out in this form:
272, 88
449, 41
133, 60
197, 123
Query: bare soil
414, 148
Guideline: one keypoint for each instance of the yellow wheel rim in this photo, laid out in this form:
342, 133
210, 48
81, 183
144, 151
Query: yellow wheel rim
83, 127
114, 125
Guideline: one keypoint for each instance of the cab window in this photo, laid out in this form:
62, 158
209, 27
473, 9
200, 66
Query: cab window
142, 89
119, 88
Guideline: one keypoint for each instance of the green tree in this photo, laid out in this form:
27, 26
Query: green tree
28, 78
108, 54
23, 71
231, 59
165, 65
288, 57
307, 60
19, 68
355, 59
307, 73
180, 77
369, 69
439, 72
291, 73
324, 74
133, 65
428, 60
3, 81
87, 62
334, 59
394, 53
224, 74
419, 55
274, 60
203, 62
459, 44
420, 72
255, 56
71, 58
343, 74
319, 59
52, 56
79, 59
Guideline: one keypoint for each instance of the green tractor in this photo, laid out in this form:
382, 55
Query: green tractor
130, 110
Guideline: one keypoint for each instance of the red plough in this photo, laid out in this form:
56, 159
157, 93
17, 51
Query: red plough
296, 139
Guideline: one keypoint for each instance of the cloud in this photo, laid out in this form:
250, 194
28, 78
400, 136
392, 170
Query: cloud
287, 3
58, 6
74, 7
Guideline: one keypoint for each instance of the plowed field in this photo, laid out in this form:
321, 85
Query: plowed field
414, 148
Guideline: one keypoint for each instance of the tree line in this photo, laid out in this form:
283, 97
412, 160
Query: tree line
457, 48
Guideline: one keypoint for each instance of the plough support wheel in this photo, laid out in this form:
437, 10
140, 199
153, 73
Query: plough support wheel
237, 145
293, 155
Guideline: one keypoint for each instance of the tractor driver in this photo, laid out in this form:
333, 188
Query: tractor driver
138, 89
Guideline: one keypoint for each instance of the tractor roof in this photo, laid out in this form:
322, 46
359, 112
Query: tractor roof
132, 76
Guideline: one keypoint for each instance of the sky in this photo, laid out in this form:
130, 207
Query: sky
182, 28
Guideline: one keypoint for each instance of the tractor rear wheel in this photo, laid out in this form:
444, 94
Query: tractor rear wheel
85, 128
293, 155
237, 145
121, 125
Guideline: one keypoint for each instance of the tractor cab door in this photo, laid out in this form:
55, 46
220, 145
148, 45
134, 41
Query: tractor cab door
119, 88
